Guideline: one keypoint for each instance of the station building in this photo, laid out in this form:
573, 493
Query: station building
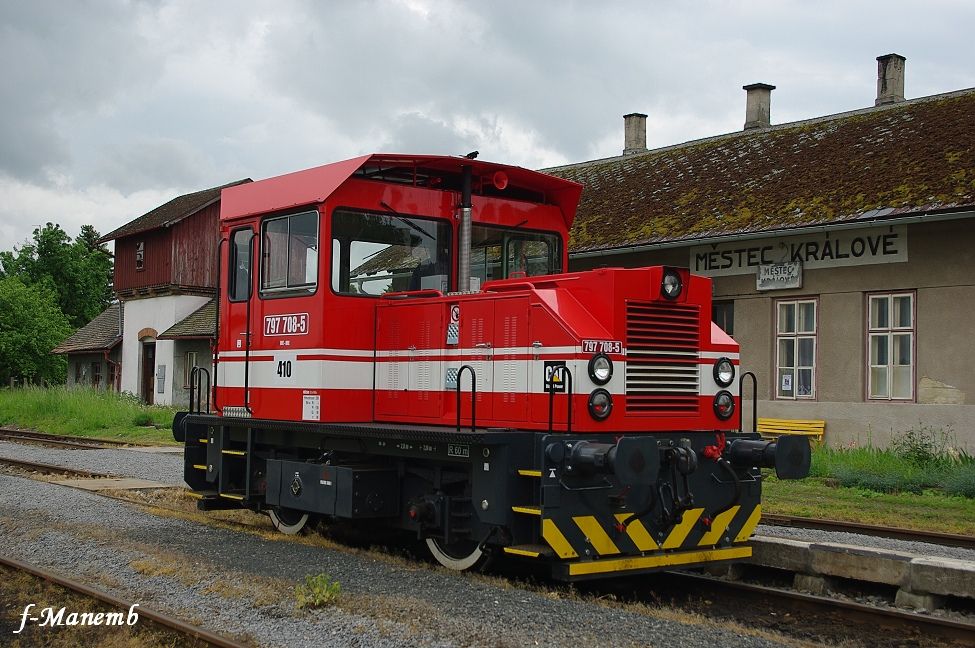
842, 250
165, 273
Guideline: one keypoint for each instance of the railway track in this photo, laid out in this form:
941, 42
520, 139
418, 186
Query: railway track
846, 618
50, 469
60, 440
912, 535
869, 620
177, 625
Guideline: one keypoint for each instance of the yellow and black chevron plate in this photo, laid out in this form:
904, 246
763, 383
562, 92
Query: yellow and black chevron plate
600, 544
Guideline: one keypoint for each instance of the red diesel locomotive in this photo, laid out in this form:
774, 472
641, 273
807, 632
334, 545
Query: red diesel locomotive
399, 343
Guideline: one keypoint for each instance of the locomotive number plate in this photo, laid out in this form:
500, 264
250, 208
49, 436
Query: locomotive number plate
602, 346
290, 324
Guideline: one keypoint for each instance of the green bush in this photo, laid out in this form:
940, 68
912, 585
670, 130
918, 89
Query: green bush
317, 591
962, 481
923, 445
922, 457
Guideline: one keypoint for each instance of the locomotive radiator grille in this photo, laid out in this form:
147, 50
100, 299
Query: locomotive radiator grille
662, 342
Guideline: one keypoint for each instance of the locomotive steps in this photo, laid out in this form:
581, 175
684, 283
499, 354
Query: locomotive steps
923, 582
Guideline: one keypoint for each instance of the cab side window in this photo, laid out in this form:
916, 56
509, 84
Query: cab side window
289, 253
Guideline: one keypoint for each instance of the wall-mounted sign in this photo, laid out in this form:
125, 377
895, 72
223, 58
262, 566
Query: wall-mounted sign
779, 276
140, 255
825, 249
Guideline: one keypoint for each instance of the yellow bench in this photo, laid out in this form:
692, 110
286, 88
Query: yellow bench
772, 428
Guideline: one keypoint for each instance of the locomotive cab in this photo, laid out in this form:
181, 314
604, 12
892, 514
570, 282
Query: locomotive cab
398, 341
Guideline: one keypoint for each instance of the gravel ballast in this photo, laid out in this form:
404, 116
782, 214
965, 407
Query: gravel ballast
168, 469
386, 603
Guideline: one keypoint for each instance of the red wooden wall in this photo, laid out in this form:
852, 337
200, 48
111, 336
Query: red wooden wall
195, 248
157, 262
183, 255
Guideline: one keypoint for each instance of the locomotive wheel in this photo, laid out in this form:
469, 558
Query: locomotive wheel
288, 521
459, 556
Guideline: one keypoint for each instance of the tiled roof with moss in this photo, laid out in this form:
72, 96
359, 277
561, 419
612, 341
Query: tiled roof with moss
910, 157
100, 334
201, 323
172, 212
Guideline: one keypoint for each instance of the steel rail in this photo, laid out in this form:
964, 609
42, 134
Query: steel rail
867, 615
913, 535
61, 439
170, 622
55, 470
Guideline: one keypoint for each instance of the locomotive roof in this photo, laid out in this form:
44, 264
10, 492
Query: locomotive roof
312, 186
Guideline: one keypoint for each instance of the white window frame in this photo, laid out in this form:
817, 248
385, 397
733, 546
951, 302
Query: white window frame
890, 331
795, 336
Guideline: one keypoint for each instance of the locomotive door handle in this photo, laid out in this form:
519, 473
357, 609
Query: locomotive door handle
482, 345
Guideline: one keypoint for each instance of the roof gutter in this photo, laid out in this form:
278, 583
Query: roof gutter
919, 217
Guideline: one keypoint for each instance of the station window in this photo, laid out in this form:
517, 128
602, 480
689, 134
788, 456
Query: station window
890, 342
796, 349
188, 366
239, 268
96, 374
374, 253
723, 314
289, 253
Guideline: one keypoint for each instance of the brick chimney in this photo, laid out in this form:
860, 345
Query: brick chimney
758, 105
890, 79
634, 133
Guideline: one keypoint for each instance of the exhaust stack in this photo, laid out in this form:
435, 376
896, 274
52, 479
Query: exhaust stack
464, 246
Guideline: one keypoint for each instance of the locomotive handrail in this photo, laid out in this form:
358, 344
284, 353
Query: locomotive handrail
196, 386
551, 402
754, 402
247, 328
536, 282
408, 294
460, 372
215, 340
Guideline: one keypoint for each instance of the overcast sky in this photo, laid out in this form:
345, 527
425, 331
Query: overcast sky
110, 108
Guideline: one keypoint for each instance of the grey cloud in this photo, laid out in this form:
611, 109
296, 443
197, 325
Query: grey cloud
416, 133
62, 59
153, 163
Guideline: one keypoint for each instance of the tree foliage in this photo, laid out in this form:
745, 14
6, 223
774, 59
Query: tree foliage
79, 272
31, 324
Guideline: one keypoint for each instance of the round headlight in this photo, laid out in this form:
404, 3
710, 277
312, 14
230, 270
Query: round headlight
671, 285
600, 369
724, 405
600, 404
724, 372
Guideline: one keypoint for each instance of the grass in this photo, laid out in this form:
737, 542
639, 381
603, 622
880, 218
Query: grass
920, 482
86, 413
816, 497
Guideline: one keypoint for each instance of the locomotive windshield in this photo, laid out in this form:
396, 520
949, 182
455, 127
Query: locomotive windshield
373, 254
503, 253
